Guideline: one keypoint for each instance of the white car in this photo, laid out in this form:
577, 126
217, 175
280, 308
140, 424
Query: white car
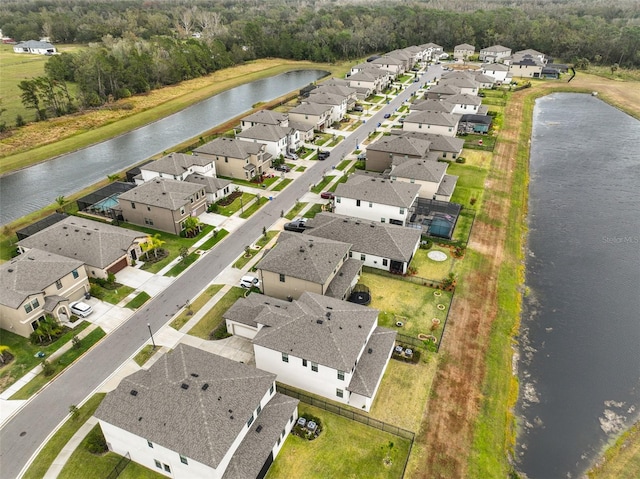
249, 282
80, 309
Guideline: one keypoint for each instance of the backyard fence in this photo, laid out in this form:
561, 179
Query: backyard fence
446, 320
431, 283
349, 414
415, 343
122, 463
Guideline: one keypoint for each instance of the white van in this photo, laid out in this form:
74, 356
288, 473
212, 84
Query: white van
249, 282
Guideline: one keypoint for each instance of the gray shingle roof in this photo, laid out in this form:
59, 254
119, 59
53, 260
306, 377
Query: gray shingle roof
266, 117
334, 341
34, 44
464, 46
495, 49
197, 423
299, 256
433, 105
401, 145
93, 243
437, 142
418, 169
371, 365
380, 239
443, 89
464, 99
229, 147
211, 184
432, 118
340, 90
30, 273
255, 448
348, 274
496, 67
324, 98
264, 133
311, 109
162, 193
459, 82
301, 126
447, 185
175, 163
386, 192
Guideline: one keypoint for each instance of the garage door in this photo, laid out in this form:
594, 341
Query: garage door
243, 331
118, 266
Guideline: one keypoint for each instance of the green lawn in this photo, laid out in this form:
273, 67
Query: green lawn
52, 448
375, 99
243, 260
24, 353
259, 203
412, 304
472, 140
343, 164
83, 464
345, 449
313, 211
141, 298
172, 243
213, 318
236, 205
183, 264
59, 365
198, 303
211, 242
113, 296
463, 227
145, 354
336, 140
284, 183
322, 138
323, 183
470, 184
430, 269
293, 212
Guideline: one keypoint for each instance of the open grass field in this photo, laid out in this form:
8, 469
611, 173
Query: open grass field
344, 449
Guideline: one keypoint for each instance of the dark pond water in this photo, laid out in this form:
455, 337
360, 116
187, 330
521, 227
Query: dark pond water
33, 188
580, 357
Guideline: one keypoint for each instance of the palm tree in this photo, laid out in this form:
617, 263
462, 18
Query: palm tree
61, 200
153, 243
191, 226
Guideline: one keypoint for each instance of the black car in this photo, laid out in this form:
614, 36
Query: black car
358, 108
323, 155
387, 115
282, 167
297, 226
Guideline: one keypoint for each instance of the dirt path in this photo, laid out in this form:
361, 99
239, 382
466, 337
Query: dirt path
447, 431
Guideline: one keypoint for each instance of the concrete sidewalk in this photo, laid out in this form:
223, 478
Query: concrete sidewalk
62, 458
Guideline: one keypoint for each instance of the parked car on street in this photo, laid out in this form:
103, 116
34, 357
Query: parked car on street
80, 309
358, 108
387, 115
323, 155
249, 282
326, 195
282, 167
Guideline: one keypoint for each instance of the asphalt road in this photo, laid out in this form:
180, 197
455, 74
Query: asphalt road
23, 434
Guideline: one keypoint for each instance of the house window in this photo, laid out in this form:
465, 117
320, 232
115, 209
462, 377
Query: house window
158, 464
350, 254
363, 257
150, 444
401, 211
191, 199
148, 208
341, 375
370, 204
412, 180
271, 389
279, 440
133, 205
281, 278
314, 367
357, 202
59, 284
167, 468
28, 308
382, 220
182, 210
420, 125
250, 421
148, 221
75, 273
35, 303
226, 160
304, 363
183, 460
285, 358
35, 324
259, 409
337, 199
339, 393
385, 262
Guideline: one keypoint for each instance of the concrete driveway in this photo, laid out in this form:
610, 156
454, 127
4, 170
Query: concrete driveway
143, 280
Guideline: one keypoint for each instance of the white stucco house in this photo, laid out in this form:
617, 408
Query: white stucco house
465, 104
498, 71
375, 199
322, 345
194, 414
338, 103
34, 47
432, 122
176, 166
278, 139
431, 176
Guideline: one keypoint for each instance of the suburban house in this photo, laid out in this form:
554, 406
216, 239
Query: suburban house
471, 123
314, 114
235, 158
439, 145
378, 245
265, 117
463, 103
194, 414
376, 199
103, 248
431, 51
299, 263
463, 51
371, 80
443, 91
391, 64
379, 153
359, 92
37, 283
484, 81
430, 175
176, 166
163, 204
215, 188
526, 65
34, 47
432, 122
528, 53
351, 94
322, 345
338, 104
494, 53
407, 59
497, 71
432, 105
278, 139
467, 86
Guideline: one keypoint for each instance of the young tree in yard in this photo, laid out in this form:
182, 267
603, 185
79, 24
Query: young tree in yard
153, 244
5, 354
61, 200
184, 252
192, 226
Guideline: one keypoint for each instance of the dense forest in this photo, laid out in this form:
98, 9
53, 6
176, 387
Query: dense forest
137, 45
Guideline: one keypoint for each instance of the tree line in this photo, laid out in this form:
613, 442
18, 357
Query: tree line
138, 45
